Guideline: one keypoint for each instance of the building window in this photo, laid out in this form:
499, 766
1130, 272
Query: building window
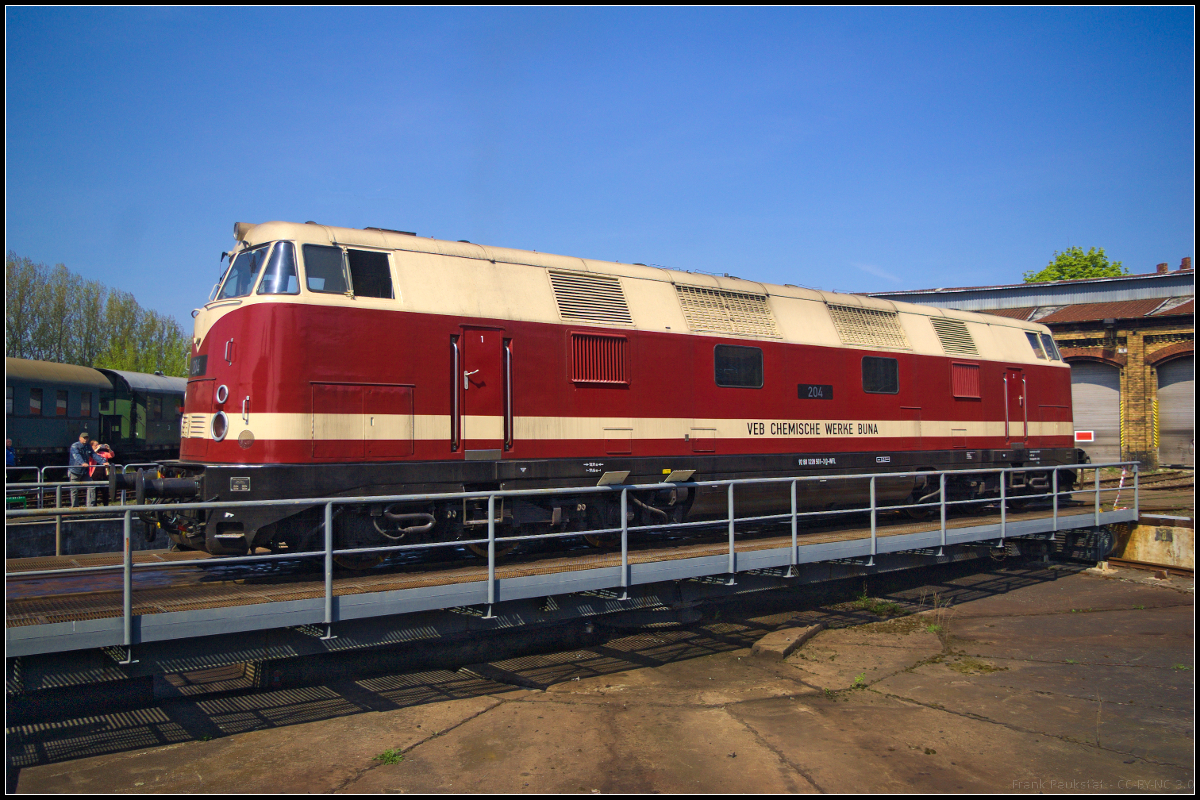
35, 402
880, 375
964, 380
738, 367
85, 404
598, 359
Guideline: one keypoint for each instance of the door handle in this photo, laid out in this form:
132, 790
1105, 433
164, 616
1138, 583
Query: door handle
466, 383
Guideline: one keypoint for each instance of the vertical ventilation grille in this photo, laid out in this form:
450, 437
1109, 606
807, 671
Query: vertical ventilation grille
587, 297
598, 359
869, 326
720, 311
955, 337
964, 380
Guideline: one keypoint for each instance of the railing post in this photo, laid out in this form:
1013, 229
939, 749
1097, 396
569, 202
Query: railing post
491, 587
794, 560
1137, 508
732, 554
625, 543
127, 591
328, 572
58, 521
1097, 485
871, 561
1003, 504
942, 495
1054, 490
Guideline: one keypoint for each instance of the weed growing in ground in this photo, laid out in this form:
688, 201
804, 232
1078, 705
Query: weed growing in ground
880, 608
859, 681
1184, 667
392, 756
969, 666
1072, 661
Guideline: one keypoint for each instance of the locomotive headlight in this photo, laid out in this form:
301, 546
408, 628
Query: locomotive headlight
222, 393
220, 426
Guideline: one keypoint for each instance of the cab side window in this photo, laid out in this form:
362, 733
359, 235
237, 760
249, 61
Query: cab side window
880, 375
324, 269
370, 273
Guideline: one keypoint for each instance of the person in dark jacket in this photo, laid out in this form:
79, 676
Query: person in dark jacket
80, 460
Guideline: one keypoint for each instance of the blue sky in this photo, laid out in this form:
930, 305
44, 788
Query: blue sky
852, 150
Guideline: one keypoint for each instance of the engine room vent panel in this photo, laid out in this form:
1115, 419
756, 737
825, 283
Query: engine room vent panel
598, 359
719, 311
869, 326
586, 297
955, 338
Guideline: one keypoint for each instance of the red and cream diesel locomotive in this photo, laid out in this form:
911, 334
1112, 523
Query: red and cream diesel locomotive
358, 363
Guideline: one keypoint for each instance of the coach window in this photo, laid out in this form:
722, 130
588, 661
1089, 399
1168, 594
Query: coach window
280, 275
324, 269
85, 404
60, 404
243, 272
738, 367
35, 402
880, 375
8, 400
370, 273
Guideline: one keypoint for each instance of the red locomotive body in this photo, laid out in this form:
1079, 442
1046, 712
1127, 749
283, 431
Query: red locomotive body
340, 362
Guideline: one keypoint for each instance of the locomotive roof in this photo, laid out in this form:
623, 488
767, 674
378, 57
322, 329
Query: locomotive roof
52, 373
496, 282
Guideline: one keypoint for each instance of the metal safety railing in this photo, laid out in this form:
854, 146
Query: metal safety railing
40, 488
730, 521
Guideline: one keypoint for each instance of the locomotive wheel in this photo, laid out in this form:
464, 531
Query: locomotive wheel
358, 563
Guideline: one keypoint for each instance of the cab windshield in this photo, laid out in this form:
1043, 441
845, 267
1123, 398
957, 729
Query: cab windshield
243, 272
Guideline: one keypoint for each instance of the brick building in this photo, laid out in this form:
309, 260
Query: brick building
1130, 341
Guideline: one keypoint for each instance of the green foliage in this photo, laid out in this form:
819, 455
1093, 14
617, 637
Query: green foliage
392, 756
51, 314
1074, 264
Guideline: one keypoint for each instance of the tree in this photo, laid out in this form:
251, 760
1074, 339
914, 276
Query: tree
1074, 264
52, 314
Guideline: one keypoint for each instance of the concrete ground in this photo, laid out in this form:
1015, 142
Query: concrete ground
1020, 677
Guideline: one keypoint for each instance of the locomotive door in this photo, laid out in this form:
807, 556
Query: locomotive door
483, 412
1016, 406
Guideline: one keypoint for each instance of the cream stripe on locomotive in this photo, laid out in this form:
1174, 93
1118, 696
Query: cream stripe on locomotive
435, 427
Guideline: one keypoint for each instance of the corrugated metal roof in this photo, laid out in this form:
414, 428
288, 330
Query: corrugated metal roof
1185, 309
150, 383
1054, 293
1087, 312
50, 372
1011, 313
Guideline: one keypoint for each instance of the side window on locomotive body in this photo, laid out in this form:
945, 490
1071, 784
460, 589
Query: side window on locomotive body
243, 272
738, 367
324, 269
880, 375
280, 276
370, 273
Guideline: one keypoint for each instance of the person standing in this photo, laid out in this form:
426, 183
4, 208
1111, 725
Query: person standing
80, 459
101, 455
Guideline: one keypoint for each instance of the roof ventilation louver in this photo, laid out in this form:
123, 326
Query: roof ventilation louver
955, 338
869, 326
721, 311
588, 297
